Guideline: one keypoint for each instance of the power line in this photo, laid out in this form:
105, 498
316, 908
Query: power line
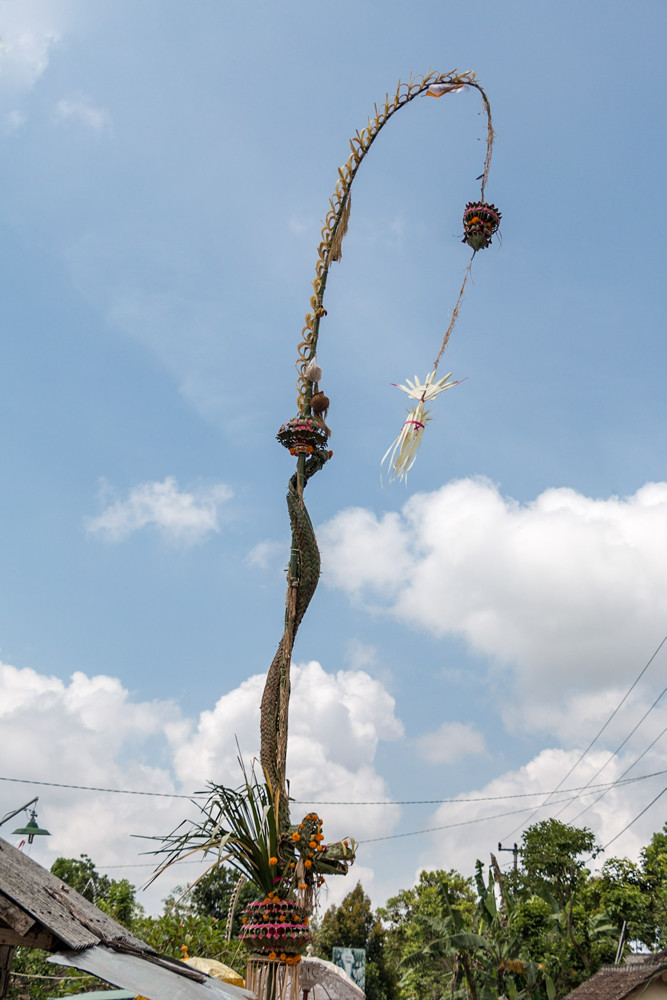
628, 825
111, 791
621, 745
483, 819
334, 802
635, 761
481, 798
595, 738
448, 826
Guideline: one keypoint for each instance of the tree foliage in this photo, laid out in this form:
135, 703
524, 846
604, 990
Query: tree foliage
533, 934
212, 896
115, 897
354, 925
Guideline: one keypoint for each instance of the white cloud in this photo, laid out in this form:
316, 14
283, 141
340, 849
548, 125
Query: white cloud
266, 554
90, 731
178, 515
24, 56
567, 592
30, 33
82, 110
451, 742
336, 722
360, 655
471, 830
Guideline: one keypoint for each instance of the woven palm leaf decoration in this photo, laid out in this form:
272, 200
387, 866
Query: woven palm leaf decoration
480, 223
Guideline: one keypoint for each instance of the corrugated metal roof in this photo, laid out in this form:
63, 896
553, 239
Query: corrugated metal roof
101, 995
153, 977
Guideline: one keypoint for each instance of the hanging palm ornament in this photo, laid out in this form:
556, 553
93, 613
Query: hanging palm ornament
480, 223
249, 827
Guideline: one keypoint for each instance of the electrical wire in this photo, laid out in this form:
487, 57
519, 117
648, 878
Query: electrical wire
628, 825
621, 745
635, 761
483, 819
333, 802
593, 741
447, 826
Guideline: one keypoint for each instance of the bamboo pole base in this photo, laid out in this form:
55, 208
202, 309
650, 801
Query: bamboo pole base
270, 979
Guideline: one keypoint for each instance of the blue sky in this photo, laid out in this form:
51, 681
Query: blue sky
165, 170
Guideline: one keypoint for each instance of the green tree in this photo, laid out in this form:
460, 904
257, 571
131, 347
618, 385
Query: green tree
354, 925
203, 936
115, 897
635, 894
551, 859
419, 929
654, 868
212, 896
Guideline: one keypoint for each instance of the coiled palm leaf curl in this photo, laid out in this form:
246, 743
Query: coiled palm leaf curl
302, 577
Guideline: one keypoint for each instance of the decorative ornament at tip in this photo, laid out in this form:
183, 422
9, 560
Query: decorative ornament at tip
402, 452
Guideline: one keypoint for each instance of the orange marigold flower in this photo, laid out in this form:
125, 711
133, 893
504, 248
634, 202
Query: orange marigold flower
283, 956
312, 844
291, 864
273, 955
296, 835
302, 885
318, 836
308, 863
273, 861
319, 847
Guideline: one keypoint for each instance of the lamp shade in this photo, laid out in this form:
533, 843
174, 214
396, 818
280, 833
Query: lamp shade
31, 829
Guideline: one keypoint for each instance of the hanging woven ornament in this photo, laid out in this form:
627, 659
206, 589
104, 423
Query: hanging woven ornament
480, 222
401, 454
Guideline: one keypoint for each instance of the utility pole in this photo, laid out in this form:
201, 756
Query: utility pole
514, 850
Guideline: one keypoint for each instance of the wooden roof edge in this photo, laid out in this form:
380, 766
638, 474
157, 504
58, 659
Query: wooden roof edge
49, 904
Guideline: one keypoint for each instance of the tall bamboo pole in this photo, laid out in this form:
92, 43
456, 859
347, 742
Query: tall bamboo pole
304, 564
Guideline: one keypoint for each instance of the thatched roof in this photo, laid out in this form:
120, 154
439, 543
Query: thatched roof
616, 982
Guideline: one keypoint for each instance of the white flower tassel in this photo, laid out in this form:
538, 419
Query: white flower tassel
402, 453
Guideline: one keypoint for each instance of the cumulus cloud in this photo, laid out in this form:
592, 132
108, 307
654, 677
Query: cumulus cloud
30, 33
451, 742
24, 57
470, 827
336, 723
90, 731
266, 554
178, 515
567, 592
83, 111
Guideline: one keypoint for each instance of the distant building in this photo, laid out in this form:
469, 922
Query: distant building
642, 976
